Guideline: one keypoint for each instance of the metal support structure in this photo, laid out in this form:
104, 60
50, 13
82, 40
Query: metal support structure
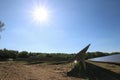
80, 56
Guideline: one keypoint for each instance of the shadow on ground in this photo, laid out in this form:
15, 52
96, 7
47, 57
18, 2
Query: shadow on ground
95, 73
46, 62
37, 62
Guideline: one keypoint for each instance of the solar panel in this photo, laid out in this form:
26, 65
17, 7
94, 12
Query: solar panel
110, 59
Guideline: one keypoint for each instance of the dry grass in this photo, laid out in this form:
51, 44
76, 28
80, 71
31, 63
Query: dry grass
46, 71
112, 67
22, 71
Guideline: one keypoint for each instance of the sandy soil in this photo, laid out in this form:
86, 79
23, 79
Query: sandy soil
22, 71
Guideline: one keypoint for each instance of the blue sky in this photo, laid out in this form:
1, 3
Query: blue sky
71, 25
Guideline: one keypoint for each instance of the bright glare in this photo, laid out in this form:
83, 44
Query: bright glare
40, 14
75, 61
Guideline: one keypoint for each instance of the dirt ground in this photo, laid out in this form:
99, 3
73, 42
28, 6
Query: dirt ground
22, 71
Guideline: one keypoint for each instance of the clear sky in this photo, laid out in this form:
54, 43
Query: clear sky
71, 25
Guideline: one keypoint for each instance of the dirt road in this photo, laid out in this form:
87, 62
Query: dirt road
22, 71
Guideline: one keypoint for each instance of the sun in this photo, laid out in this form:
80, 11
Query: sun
40, 14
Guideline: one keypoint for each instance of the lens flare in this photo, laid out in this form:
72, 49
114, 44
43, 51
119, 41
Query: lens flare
40, 14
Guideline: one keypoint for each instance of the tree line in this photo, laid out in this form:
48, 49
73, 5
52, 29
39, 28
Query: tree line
6, 54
